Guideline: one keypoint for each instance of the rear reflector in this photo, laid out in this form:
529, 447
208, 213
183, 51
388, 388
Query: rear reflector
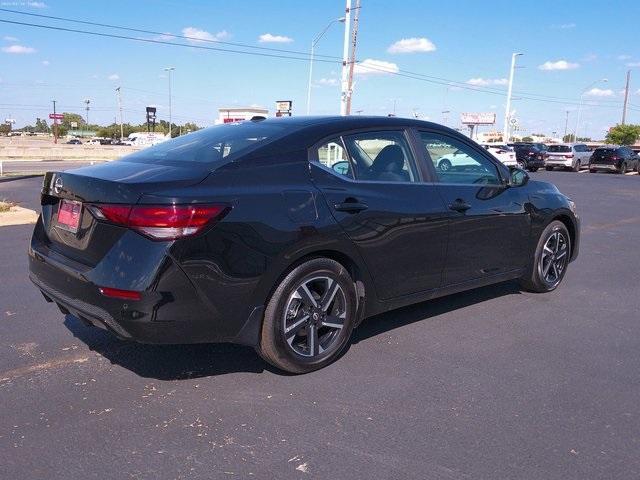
121, 294
161, 222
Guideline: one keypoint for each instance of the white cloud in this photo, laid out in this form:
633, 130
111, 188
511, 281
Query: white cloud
558, 65
564, 26
36, 4
18, 49
598, 92
328, 82
114, 76
633, 64
624, 57
163, 37
46, 63
412, 45
483, 82
9, 38
200, 36
269, 38
374, 67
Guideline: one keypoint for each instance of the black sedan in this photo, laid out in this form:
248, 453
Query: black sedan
284, 234
530, 156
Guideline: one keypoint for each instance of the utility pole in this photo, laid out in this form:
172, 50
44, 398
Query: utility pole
566, 124
120, 109
507, 110
352, 60
626, 97
345, 60
55, 123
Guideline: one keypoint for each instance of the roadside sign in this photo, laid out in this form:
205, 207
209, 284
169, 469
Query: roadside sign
514, 121
74, 124
283, 105
56, 116
488, 118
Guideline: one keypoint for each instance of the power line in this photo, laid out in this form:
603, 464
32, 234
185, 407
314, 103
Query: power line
165, 34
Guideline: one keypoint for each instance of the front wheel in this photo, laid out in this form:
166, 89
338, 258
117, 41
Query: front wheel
550, 260
533, 169
623, 168
309, 317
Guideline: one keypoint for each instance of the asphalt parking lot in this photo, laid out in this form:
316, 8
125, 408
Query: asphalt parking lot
489, 384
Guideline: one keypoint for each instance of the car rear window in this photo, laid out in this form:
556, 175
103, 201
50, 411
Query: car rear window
559, 148
212, 146
604, 152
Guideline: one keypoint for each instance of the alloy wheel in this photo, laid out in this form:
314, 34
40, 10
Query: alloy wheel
314, 315
554, 258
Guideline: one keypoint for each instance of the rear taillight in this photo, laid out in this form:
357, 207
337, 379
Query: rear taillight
120, 294
614, 158
569, 156
161, 222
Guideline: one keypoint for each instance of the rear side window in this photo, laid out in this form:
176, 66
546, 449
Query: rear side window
381, 156
333, 155
213, 146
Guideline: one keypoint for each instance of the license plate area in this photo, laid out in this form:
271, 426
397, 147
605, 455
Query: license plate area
69, 214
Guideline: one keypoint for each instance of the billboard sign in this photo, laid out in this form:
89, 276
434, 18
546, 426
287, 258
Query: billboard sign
283, 107
486, 118
56, 116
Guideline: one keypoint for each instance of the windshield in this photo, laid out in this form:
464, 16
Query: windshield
559, 148
211, 146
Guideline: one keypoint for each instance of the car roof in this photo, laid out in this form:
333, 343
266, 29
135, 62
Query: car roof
349, 121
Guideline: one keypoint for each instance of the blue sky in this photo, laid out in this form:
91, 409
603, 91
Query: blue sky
469, 42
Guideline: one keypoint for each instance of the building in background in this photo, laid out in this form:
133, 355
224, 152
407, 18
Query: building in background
238, 114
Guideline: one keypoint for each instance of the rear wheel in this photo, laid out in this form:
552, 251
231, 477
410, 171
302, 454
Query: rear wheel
309, 317
592, 170
550, 260
548, 169
623, 168
576, 166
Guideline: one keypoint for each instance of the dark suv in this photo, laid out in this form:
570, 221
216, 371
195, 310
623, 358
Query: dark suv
286, 233
614, 158
529, 156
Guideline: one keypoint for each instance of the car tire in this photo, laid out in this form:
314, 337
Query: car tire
548, 267
533, 169
444, 165
548, 169
576, 166
623, 168
295, 345
592, 170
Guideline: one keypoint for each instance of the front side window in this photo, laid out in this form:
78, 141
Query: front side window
333, 155
456, 162
381, 156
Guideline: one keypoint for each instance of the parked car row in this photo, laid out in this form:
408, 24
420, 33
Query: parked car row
567, 156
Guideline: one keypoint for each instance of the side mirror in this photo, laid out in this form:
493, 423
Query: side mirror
341, 167
517, 177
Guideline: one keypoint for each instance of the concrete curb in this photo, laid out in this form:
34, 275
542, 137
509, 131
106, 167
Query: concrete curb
19, 177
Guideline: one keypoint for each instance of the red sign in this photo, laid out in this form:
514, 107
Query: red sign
56, 116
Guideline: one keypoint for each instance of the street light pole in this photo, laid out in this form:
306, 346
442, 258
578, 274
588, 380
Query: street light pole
120, 108
170, 69
507, 110
313, 47
87, 102
566, 124
575, 132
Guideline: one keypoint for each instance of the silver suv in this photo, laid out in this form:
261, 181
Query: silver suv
573, 156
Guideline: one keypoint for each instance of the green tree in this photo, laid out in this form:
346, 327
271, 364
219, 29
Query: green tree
623, 134
41, 126
568, 138
5, 128
527, 139
68, 118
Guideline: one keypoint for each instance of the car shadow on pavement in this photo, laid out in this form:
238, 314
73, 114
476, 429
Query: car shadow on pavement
391, 320
180, 362
168, 362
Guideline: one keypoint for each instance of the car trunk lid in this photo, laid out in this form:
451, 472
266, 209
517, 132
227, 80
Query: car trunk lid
65, 194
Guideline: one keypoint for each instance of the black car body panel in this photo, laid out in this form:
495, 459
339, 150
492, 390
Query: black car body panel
407, 246
530, 156
613, 158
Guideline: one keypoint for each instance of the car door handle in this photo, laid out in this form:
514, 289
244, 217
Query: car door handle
459, 205
350, 207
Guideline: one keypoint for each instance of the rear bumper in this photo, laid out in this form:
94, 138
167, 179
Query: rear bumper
603, 166
170, 311
559, 163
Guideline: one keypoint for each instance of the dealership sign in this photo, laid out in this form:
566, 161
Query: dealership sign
56, 116
487, 118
